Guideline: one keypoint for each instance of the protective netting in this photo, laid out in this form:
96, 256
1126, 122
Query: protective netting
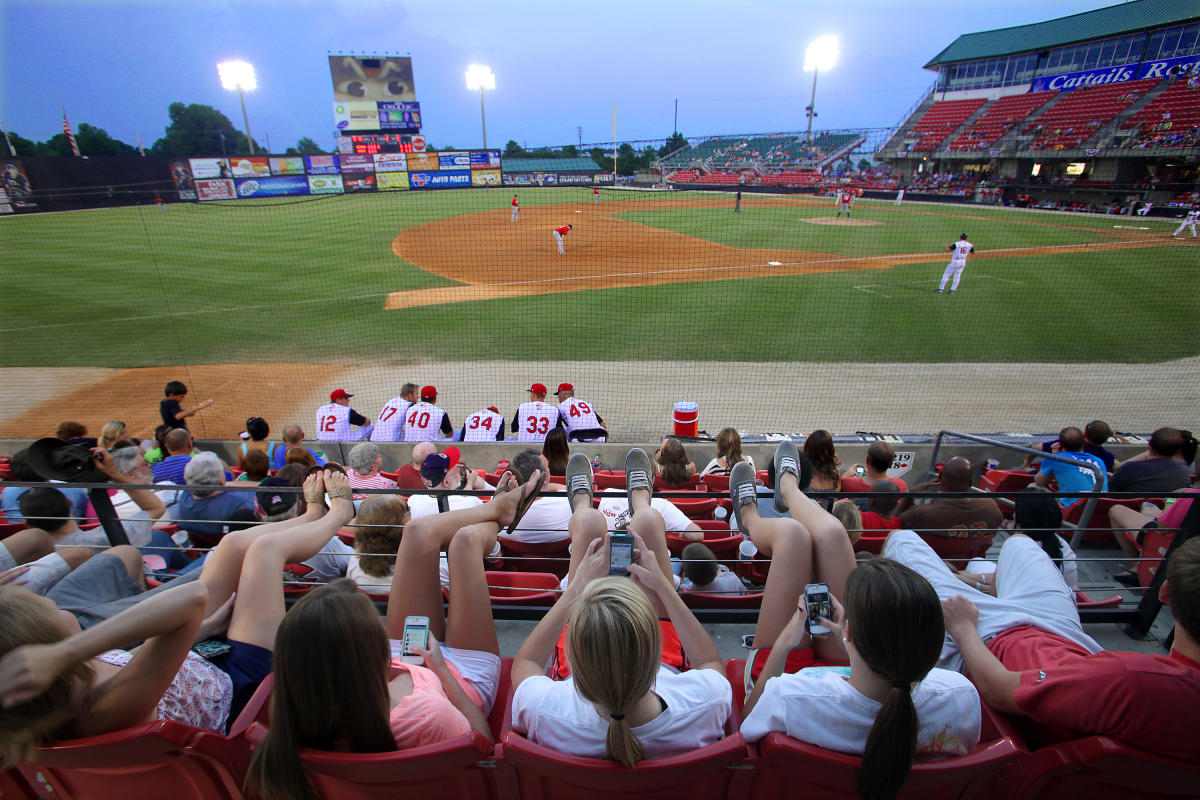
774, 312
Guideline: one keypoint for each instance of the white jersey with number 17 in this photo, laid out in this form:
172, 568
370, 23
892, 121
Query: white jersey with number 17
390, 425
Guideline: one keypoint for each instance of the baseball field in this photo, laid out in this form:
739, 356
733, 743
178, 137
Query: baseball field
782, 317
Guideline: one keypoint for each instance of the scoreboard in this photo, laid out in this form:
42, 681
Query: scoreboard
372, 143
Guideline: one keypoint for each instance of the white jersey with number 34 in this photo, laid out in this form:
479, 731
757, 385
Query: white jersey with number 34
483, 426
390, 425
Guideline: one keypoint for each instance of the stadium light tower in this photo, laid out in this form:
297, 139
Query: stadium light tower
821, 54
481, 77
239, 75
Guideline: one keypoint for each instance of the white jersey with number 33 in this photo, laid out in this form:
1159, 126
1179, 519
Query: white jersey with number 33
333, 423
423, 423
483, 426
390, 425
535, 420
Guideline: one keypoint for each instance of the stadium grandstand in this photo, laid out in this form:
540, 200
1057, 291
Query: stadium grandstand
1097, 100
783, 159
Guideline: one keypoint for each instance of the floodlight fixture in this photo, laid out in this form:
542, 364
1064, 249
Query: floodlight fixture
821, 54
239, 75
480, 77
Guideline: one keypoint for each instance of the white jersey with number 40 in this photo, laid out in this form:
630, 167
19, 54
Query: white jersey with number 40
961, 250
333, 423
423, 423
483, 426
390, 425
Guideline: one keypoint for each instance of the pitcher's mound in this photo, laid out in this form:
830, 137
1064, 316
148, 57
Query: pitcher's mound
851, 223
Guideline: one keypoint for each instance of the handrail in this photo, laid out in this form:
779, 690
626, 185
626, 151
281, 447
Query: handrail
1084, 518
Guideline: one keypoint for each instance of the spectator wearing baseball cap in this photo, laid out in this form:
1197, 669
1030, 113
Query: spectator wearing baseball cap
579, 417
335, 418
441, 471
274, 506
535, 418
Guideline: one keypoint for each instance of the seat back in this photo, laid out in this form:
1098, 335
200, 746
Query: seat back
522, 588
696, 508
661, 486
960, 544
709, 773
1100, 768
609, 479
552, 557
144, 761
1099, 525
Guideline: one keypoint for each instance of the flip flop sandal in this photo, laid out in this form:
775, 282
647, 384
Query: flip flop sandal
525, 502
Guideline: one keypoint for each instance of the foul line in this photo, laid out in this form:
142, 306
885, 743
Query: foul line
866, 287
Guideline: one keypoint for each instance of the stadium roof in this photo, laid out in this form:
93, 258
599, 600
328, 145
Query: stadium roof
1111, 21
581, 164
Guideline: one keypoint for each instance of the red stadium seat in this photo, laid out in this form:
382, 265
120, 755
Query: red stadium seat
9, 528
552, 557
871, 542
522, 588
716, 483
1099, 525
1154, 549
690, 483
608, 479
960, 544
1084, 600
723, 543
1099, 768
698, 508
709, 600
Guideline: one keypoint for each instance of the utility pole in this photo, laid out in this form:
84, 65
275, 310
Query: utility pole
579, 131
676, 128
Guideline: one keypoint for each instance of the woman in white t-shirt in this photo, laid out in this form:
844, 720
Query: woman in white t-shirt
729, 452
620, 702
894, 706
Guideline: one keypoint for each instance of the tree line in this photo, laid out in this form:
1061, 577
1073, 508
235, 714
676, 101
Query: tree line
195, 130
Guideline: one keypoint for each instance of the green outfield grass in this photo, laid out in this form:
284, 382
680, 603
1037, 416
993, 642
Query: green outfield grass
276, 281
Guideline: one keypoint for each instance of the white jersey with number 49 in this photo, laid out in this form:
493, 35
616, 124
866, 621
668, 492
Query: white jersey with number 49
483, 426
423, 423
578, 415
390, 425
333, 423
961, 250
535, 419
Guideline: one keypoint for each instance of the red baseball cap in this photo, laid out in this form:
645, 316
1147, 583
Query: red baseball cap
338, 394
538, 388
493, 409
428, 392
565, 387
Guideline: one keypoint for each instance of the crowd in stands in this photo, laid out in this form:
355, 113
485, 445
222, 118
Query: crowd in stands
865, 640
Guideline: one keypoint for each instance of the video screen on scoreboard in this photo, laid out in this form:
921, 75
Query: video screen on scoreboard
378, 78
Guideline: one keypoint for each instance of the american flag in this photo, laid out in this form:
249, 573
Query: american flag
70, 135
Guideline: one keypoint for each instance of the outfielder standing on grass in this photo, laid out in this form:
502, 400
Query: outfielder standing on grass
559, 233
596, 195
958, 261
516, 209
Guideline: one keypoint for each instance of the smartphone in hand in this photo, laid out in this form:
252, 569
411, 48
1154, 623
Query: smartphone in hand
816, 597
620, 553
416, 634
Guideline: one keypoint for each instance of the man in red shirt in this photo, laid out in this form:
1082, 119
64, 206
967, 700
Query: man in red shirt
516, 209
879, 516
880, 456
1036, 661
409, 475
559, 233
596, 195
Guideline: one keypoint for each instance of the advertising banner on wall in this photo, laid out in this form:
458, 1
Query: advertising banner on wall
399, 116
453, 160
210, 168
485, 159
287, 165
575, 179
16, 186
391, 181
272, 187
485, 177
325, 184
181, 173
358, 78
519, 179
221, 189
356, 115
362, 182
391, 162
423, 161
321, 165
440, 180
1068, 81
1170, 67
357, 163
602, 177
251, 167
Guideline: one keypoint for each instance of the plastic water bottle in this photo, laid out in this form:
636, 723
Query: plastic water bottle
596, 465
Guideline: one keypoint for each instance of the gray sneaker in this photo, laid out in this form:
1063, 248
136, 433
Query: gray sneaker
787, 459
742, 490
579, 477
639, 472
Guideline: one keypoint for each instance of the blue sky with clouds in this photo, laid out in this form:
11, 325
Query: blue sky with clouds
734, 65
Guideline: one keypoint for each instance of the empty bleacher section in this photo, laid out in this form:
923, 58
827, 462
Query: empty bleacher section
1170, 120
999, 118
1081, 114
941, 120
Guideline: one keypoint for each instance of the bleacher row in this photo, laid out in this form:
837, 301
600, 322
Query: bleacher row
718, 159
1072, 119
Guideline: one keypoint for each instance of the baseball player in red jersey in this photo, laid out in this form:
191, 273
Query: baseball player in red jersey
559, 233
516, 209
596, 195
845, 202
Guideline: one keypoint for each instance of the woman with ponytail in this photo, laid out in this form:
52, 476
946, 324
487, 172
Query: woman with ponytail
894, 706
621, 701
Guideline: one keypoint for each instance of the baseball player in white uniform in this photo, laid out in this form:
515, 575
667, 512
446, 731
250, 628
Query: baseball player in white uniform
579, 417
899, 196
1189, 221
845, 202
534, 419
426, 422
335, 418
958, 262
516, 209
486, 425
389, 427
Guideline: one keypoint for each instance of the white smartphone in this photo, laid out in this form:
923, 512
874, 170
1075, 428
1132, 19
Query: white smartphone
620, 553
416, 634
816, 598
